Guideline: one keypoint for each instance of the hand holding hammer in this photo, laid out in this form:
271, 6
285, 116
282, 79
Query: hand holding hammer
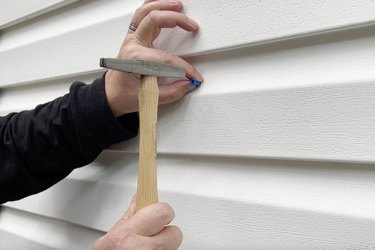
148, 107
121, 91
143, 30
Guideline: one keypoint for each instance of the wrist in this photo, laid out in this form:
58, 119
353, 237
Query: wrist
121, 95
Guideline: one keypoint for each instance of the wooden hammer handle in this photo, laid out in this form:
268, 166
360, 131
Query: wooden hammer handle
148, 96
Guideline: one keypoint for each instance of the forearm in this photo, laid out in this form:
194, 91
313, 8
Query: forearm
42, 146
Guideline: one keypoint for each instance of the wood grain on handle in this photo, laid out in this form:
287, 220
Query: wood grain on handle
148, 96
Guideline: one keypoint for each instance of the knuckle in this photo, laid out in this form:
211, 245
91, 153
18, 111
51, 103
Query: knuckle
139, 10
168, 57
165, 211
153, 15
132, 51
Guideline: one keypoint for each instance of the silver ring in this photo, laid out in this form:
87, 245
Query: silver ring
133, 27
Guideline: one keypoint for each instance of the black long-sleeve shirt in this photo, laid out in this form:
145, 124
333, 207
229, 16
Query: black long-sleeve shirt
42, 146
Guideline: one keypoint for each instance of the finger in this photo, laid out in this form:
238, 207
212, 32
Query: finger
173, 92
149, 6
120, 225
131, 210
152, 219
150, 27
170, 238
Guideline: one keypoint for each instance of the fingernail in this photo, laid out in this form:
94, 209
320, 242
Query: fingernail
194, 82
198, 76
194, 23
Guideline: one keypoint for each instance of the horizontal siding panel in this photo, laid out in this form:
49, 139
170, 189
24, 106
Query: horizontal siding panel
314, 123
309, 99
72, 17
254, 22
16, 242
304, 99
16, 11
334, 123
29, 96
21, 230
231, 203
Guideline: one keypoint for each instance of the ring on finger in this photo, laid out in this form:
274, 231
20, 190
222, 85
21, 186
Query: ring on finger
133, 27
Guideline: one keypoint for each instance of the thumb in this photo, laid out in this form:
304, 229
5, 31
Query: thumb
131, 210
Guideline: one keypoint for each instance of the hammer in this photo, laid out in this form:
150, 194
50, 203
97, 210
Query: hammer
148, 96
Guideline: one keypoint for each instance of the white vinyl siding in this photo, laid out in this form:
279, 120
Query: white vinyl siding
276, 150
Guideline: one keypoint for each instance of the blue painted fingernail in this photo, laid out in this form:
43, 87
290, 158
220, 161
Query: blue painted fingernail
194, 82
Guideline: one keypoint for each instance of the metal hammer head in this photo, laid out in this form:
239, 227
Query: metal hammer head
143, 67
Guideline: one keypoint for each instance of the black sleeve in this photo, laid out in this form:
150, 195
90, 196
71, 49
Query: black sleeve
40, 147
